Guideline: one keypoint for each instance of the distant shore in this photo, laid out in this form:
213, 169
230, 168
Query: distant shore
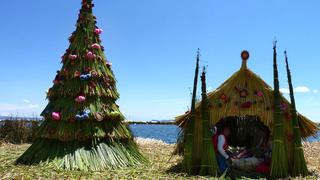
151, 122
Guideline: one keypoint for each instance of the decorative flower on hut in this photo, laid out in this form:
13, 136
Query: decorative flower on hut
223, 97
246, 105
243, 93
283, 106
259, 93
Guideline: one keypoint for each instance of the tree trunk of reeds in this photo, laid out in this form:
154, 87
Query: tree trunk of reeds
299, 167
279, 162
209, 164
187, 163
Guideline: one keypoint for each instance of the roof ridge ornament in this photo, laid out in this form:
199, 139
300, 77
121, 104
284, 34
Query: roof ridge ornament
244, 56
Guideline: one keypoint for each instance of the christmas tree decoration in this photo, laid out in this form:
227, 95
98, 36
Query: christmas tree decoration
73, 57
56, 116
98, 31
82, 115
80, 99
83, 128
90, 55
95, 46
85, 76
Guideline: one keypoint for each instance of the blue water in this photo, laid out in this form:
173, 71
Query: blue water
313, 139
166, 133
169, 133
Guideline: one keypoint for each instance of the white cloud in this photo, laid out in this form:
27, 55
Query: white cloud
301, 89
32, 106
26, 101
284, 90
298, 89
7, 109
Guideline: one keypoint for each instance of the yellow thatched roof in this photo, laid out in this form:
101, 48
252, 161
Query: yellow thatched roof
245, 93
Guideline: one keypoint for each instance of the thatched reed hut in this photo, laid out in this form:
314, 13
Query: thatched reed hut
244, 102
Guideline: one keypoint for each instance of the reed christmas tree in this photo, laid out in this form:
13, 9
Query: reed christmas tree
299, 167
83, 127
279, 162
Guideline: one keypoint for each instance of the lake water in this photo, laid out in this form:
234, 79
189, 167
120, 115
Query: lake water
169, 133
166, 133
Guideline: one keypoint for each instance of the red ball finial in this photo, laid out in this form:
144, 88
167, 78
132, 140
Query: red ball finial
245, 55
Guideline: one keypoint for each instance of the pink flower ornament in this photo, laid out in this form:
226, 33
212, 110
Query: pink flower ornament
56, 116
98, 31
283, 106
73, 56
80, 99
259, 93
90, 55
96, 46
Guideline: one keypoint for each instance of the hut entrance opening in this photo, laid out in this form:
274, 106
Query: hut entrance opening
248, 141
246, 131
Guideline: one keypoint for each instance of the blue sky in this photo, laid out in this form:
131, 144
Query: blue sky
152, 46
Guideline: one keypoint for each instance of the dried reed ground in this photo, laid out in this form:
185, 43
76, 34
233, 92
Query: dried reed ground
159, 167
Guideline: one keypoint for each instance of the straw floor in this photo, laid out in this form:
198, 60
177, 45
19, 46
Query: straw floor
160, 167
